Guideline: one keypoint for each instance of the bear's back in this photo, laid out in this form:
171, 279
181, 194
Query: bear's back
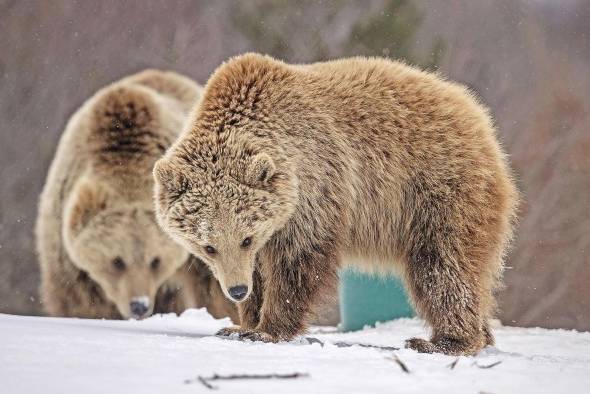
125, 127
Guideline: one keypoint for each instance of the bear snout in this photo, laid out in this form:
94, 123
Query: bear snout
238, 292
139, 306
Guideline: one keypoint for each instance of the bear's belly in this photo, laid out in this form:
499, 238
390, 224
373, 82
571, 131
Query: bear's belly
374, 264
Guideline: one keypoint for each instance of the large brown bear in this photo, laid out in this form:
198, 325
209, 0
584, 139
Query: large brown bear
102, 254
285, 171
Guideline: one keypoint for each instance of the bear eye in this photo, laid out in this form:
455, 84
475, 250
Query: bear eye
210, 250
119, 264
155, 263
246, 242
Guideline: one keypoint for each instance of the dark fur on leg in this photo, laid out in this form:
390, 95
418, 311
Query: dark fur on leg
447, 291
75, 294
299, 283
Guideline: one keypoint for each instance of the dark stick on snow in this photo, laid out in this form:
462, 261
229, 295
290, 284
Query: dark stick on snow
488, 366
312, 340
399, 362
205, 381
367, 345
453, 364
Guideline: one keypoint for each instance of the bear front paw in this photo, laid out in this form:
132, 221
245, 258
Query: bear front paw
445, 345
420, 345
243, 333
228, 331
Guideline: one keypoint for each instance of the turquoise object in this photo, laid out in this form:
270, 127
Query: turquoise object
367, 299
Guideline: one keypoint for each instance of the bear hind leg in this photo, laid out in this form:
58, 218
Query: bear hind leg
448, 294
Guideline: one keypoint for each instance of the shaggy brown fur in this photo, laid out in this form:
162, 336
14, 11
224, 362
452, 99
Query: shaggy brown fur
98, 241
365, 161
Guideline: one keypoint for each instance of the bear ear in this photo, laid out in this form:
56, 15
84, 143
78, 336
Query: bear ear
169, 178
162, 173
88, 199
260, 169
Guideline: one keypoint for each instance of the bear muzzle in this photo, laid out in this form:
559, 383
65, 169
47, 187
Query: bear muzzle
139, 307
238, 293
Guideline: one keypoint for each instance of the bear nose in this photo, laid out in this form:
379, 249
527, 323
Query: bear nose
139, 307
238, 292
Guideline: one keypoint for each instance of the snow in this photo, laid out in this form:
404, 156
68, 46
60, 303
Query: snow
160, 354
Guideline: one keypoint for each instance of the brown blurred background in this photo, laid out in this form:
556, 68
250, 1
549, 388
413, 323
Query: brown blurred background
528, 60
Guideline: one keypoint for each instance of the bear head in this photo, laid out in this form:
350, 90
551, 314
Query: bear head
223, 206
120, 246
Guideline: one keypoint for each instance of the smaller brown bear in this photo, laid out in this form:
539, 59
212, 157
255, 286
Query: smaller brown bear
101, 252
286, 171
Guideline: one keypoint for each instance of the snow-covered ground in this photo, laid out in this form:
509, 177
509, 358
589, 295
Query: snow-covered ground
166, 354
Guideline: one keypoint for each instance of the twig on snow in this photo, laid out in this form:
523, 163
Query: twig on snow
312, 340
205, 381
367, 345
492, 365
453, 364
399, 362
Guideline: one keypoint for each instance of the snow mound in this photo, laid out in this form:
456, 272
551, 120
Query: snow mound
168, 353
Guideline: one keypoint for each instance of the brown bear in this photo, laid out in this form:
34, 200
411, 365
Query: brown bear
285, 172
101, 252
